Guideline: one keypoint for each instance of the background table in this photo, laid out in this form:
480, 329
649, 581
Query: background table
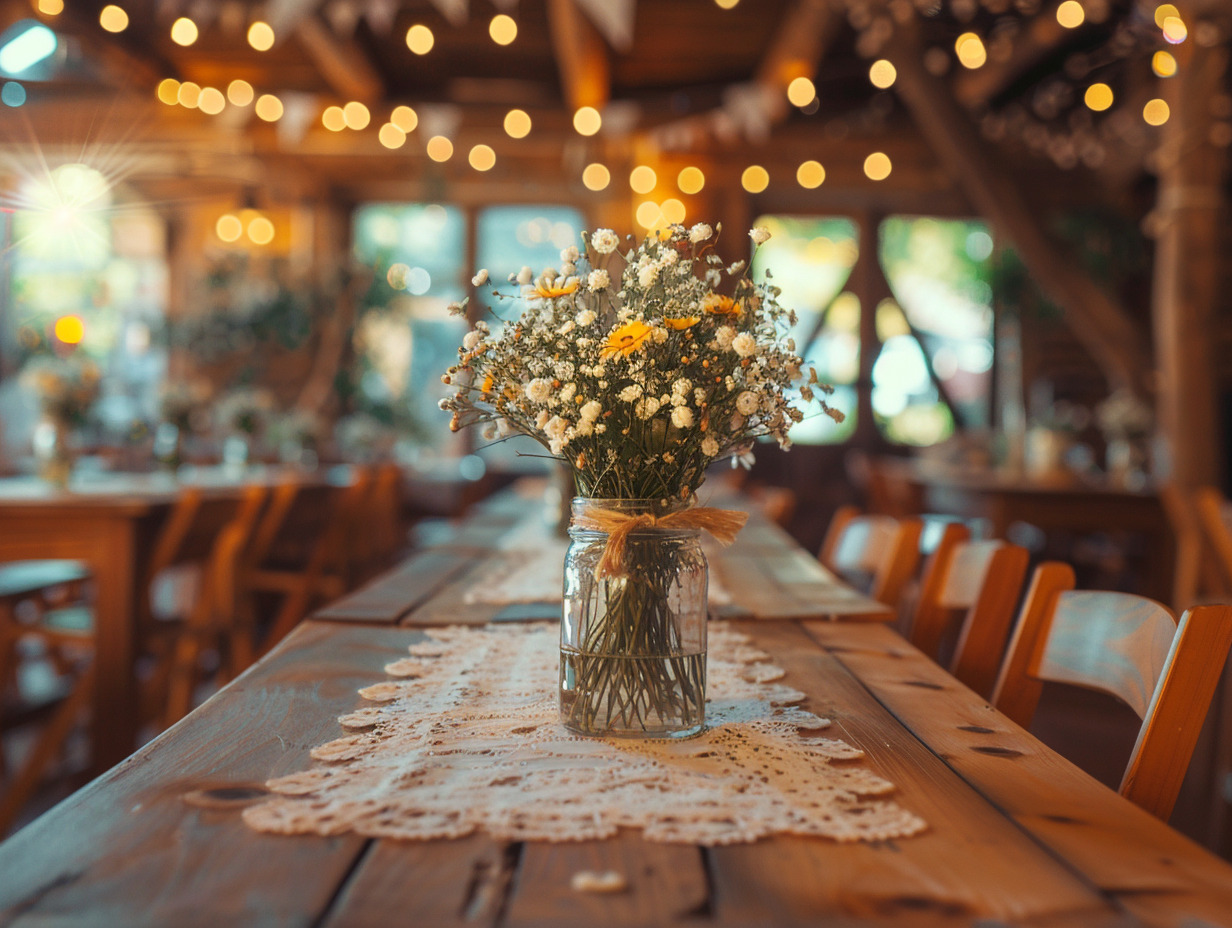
1017, 834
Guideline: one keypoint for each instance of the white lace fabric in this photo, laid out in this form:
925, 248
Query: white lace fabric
466, 737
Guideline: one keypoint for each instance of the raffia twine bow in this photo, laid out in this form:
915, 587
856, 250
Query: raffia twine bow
722, 524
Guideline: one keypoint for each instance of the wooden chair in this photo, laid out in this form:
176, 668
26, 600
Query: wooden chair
30, 591
876, 552
971, 588
1133, 648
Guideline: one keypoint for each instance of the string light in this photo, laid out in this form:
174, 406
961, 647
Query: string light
587, 120
1163, 64
70, 330
726, 4
260, 230
240, 92
183, 31
1175, 31
1164, 11
810, 175
877, 166
690, 180
517, 124
1098, 97
356, 115
404, 118
755, 178
269, 107
642, 179
673, 211
970, 50
211, 101
229, 228
649, 214
596, 176
440, 148
261, 36
503, 29
419, 39
391, 136
801, 92
333, 119
1156, 112
1071, 15
882, 74
482, 158
188, 94
51, 7
169, 91
112, 18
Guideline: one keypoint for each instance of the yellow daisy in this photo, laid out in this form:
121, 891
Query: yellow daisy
549, 292
684, 322
720, 305
625, 340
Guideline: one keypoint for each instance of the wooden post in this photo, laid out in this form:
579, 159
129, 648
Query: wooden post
1189, 217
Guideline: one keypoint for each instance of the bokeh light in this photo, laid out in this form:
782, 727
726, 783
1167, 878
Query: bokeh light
673, 211
810, 175
228, 227
882, 74
240, 92
183, 31
260, 230
755, 178
1071, 15
269, 107
642, 179
440, 148
70, 330
877, 166
211, 101
188, 94
596, 176
356, 115
261, 36
112, 18
169, 91
503, 29
404, 118
691, 180
391, 136
970, 50
587, 120
801, 92
1156, 112
482, 158
1098, 97
419, 39
517, 124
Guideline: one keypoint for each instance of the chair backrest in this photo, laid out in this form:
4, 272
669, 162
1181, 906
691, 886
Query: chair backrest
1214, 516
1133, 648
874, 551
975, 584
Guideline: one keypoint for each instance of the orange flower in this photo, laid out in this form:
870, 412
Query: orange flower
549, 292
625, 340
720, 305
684, 322
487, 384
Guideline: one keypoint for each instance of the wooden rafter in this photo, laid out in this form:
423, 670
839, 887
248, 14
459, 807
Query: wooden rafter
1040, 38
343, 64
581, 55
1111, 338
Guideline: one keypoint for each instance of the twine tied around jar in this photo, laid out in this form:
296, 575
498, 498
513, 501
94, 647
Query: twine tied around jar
722, 524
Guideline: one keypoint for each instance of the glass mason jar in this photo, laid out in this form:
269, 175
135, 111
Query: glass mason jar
54, 453
633, 648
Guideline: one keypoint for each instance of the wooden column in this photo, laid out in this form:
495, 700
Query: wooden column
1190, 218
870, 287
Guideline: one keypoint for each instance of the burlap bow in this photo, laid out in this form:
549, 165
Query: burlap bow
723, 524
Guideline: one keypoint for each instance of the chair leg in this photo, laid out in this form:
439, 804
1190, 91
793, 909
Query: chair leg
45, 749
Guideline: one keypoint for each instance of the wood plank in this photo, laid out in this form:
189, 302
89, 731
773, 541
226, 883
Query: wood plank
927, 879
158, 840
393, 594
1150, 870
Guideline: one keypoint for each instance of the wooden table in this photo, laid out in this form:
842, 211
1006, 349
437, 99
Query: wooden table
1017, 835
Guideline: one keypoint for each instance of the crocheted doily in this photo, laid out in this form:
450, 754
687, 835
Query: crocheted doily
467, 737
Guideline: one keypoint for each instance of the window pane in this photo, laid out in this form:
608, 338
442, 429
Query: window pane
811, 259
405, 337
939, 272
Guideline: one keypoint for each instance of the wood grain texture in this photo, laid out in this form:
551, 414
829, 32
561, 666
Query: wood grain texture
1151, 871
386, 599
158, 840
927, 879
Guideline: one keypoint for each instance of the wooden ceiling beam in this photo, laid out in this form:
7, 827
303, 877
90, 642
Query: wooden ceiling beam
801, 42
1041, 37
342, 63
1111, 337
582, 56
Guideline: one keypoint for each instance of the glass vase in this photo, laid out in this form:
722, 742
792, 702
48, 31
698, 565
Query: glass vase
54, 454
633, 648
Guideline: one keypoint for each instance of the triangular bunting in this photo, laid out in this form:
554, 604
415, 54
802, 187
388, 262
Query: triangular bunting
456, 11
613, 18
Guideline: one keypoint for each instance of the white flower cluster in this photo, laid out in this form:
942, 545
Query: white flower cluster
637, 389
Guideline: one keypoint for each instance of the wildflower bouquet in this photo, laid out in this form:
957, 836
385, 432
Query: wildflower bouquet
637, 370
67, 388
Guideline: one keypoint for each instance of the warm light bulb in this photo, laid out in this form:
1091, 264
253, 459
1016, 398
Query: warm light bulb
1098, 97
356, 115
810, 175
260, 230
211, 101
482, 158
1175, 31
1163, 64
882, 74
1163, 11
673, 211
1156, 112
649, 214
502, 29
642, 179
877, 166
229, 228
726, 4
970, 50
1071, 15
261, 36
691, 180
269, 107
112, 18
51, 7
419, 39
517, 124
755, 178
240, 92
404, 118
801, 92
188, 95
169, 90
440, 148
596, 176
391, 136
587, 120
333, 119
183, 31
70, 330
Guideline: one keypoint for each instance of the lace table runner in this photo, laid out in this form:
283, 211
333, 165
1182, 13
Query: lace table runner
466, 737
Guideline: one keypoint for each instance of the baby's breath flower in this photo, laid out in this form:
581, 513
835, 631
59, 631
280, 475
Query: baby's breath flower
480, 278
646, 407
647, 275
747, 403
470, 340
604, 241
700, 233
682, 417
744, 344
760, 235
591, 410
570, 255
710, 447
631, 393
598, 280
539, 390
723, 336
526, 275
